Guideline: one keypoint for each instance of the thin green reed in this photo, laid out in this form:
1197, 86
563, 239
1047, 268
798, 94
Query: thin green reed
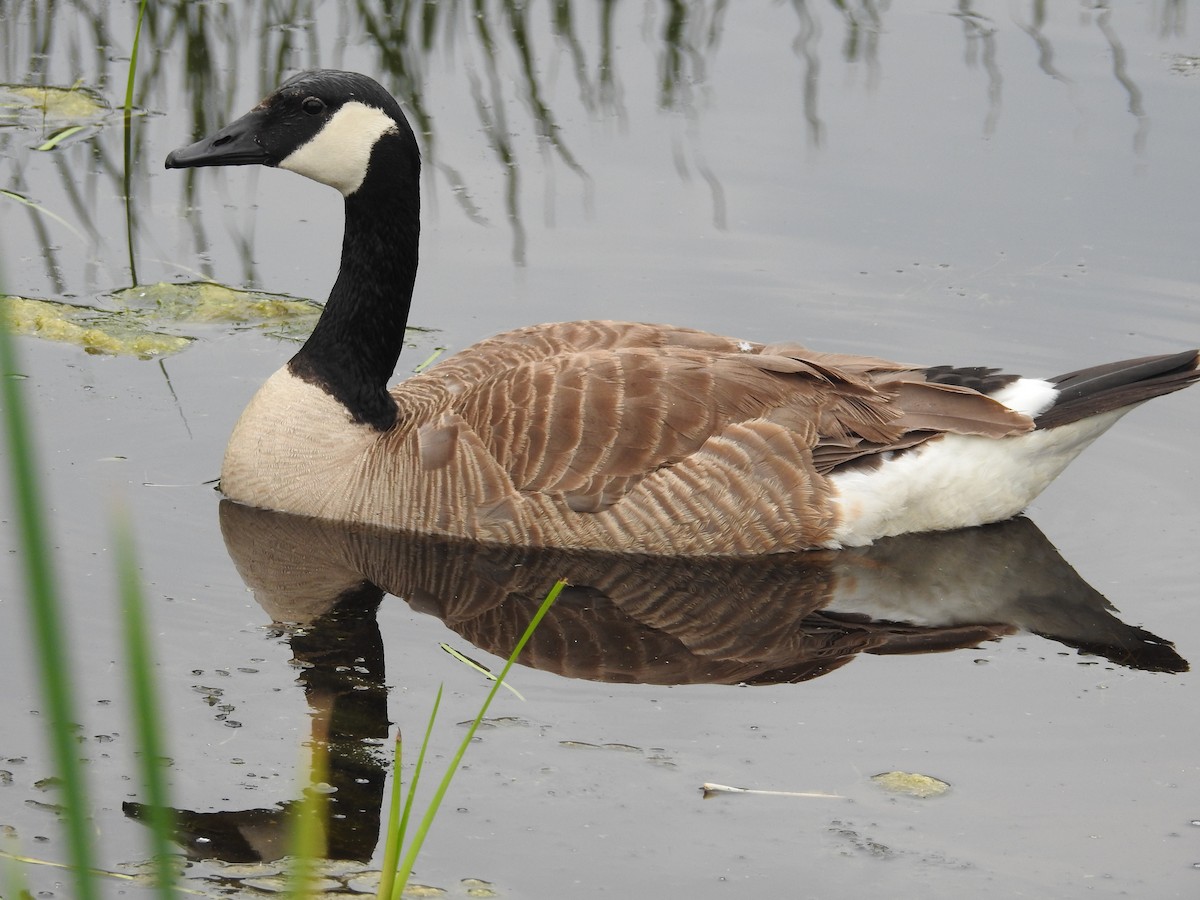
139, 665
400, 880
397, 823
128, 134
45, 616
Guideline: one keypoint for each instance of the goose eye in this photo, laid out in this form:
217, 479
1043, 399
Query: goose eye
314, 106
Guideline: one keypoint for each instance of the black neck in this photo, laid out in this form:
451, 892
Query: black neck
353, 350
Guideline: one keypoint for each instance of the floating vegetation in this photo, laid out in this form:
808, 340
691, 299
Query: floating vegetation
153, 320
911, 783
95, 330
75, 104
210, 303
61, 113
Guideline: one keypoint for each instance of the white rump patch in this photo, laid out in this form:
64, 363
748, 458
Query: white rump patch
1030, 396
957, 481
339, 153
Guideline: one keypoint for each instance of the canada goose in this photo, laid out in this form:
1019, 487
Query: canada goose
614, 435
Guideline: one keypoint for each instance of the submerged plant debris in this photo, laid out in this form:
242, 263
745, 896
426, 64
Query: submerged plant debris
710, 789
912, 784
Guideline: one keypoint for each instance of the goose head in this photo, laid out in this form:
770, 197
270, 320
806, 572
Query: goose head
342, 129
333, 127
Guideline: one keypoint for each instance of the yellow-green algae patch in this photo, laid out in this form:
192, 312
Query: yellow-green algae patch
63, 115
71, 104
210, 303
911, 783
96, 331
152, 320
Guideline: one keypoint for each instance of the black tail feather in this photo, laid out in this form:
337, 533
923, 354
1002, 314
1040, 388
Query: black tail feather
1100, 389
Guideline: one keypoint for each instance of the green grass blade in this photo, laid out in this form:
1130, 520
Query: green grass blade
395, 835
45, 616
392, 834
412, 788
133, 59
418, 838
140, 670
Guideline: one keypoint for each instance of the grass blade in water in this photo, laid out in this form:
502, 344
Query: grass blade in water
397, 829
45, 616
418, 838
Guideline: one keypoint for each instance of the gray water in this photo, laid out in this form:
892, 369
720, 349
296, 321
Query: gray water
1010, 185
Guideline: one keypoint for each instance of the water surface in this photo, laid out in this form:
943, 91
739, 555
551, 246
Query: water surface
993, 184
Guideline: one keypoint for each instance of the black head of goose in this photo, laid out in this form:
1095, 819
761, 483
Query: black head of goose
614, 436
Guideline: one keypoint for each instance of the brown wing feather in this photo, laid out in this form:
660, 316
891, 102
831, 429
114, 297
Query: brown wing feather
589, 426
578, 423
587, 410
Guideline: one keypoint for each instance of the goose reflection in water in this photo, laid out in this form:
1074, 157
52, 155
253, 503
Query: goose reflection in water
770, 620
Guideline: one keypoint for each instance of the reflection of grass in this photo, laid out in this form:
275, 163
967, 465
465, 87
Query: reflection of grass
510, 52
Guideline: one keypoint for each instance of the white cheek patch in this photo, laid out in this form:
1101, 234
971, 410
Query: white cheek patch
339, 153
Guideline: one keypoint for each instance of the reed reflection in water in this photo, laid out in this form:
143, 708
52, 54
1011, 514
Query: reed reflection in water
511, 56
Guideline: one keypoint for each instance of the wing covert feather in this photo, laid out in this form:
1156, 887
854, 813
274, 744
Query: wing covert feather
585, 411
